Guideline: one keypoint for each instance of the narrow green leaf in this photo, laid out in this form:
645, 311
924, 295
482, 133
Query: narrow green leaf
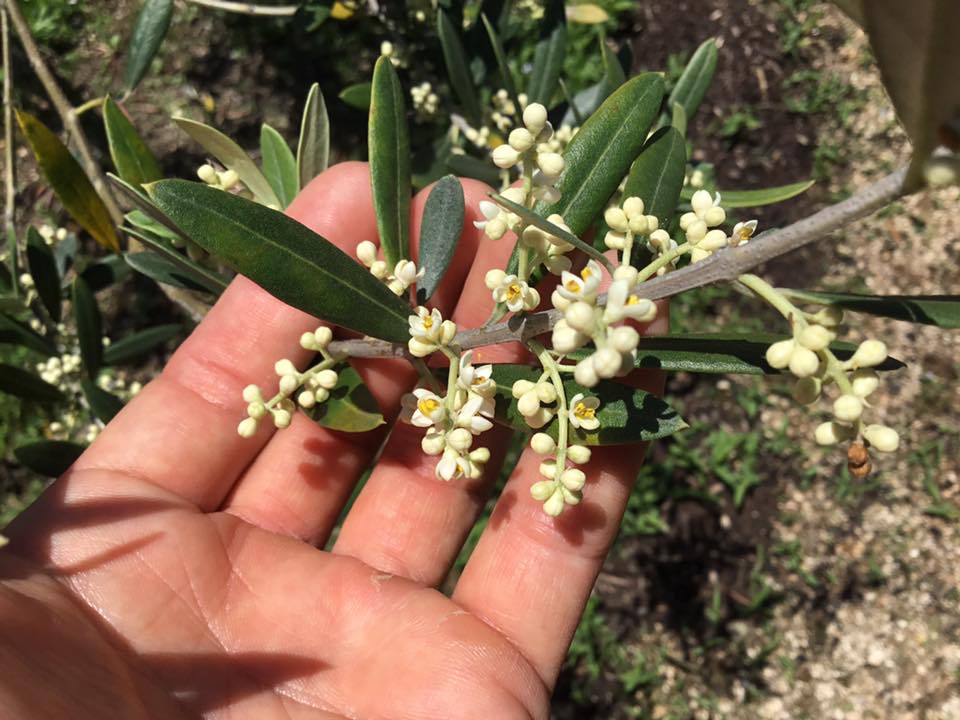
351, 407
14, 332
287, 259
626, 415
43, 270
471, 167
458, 68
506, 75
50, 458
695, 79
656, 176
279, 165
232, 156
757, 198
585, 102
313, 149
940, 310
197, 276
103, 404
678, 118
106, 272
160, 269
69, 182
389, 148
549, 54
149, 29
24, 384
145, 205
440, 231
139, 343
131, 156
142, 221
725, 353
89, 327
357, 96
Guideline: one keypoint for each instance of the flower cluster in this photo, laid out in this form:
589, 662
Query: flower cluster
523, 148
310, 387
425, 100
405, 273
222, 180
453, 421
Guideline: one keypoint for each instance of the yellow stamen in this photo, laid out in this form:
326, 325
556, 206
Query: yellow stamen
428, 322
633, 300
514, 291
428, 406
573, 286
586, 274
583, 412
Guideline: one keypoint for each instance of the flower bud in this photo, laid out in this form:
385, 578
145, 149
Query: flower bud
554, 504
308, 341
494, 278
367, 253
479, 456
460, 439
869, 354
864, 382
540, 418
321, 395
830, 433
282, 418
559, 301
627, 273
546, 392
495, 229
306, 399
579, 454
830, 316
584, 373
323, 335
847, 408
803, 362
535, 117
521, 139
288, 384
615, 240
815, 338
573, 479
653, 223
580, 317
448, 331
228, 179
433, 443
545, 134
806, 390
208, 175
571, 497
284, 367
521, 387
247, 427
542, 444
701, 202
251, 393
606, 362
379, 269
779, 354
713, 240
633, 206
624, 339
565, 339
551, 164
882, 438
542, 490
257, 409
639, 225
714, 216
529, 403
531, 299
327, 379
505, 157
696, 232
548, 468
616, 219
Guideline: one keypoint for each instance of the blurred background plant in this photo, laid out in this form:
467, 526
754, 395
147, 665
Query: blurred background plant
693, 615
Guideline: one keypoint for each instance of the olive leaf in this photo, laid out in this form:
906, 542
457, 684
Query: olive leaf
940, 310
140, 343
86, 315
357, 96
389, 149
14, 332
440, 231
106, 272
167, 265
287, 259
131, 156
232, 156
506, 75
351, 406
103, 404
69, 182
25, 384
626, 415
51, 458
43, 270
279, 165
548, 54
458, 67
313, 149
657, 174
757, 198
149, 29
694, 81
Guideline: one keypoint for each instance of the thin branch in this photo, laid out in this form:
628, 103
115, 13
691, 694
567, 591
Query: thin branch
723, 266
63, 107
9, 157
246, 8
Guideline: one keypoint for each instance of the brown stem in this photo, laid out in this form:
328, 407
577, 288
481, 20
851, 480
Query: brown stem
9, 157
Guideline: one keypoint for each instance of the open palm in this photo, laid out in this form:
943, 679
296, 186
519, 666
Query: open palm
174, 570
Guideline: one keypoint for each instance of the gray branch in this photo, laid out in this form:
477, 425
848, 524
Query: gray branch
724, 266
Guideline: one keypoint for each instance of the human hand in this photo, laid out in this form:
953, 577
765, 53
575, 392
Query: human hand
174, 570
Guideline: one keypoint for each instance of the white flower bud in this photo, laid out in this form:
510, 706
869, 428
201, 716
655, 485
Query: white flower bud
529, 403
521, 139
573, 479
565, 339
433, 443
535, 117
830, 316
257, 409
616, 219
542, 490
495, 229
864, 382
554, 504
284, 367
546, 392
289, 383
714, 216
579, 454
548, 468
531, 299
559, 301
847, 408
323, 335
869, 354
505, 157
701, 202
308, 341
479, 456
830, 433
580, 317
779, 354
542, 444
696, 232
713, 240
207, 174
633, 206
252, 393
367, 253
327, 379
321, 395
815, 337
282, 418
306, 399
653, 223
624, 339
551, 164
627, 273
606, 362
615, 240
522, 387
247, 427
806, 390
448, 331
379, 269
639, 226
584, 373
460, 439
494, 278
803, 362
228, 179
882, 438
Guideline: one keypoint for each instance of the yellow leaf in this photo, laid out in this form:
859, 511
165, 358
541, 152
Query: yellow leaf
69, 182
341, 11
587, 14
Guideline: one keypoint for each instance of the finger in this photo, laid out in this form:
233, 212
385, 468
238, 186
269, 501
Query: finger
180, 433
530, 575
406, 521
299, 484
